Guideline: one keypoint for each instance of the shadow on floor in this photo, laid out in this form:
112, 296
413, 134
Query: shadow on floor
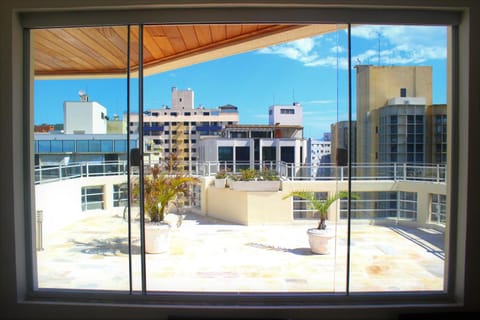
106, 247
432, 241
297, 251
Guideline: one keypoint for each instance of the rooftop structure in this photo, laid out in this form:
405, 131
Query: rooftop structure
285, 115
84, 116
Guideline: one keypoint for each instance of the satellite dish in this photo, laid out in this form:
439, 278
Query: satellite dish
81, 93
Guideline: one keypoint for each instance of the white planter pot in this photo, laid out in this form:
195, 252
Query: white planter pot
220, 183
319, 240
157, 237
270, 186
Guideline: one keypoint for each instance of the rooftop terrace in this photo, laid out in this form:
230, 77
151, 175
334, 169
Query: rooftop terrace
212, 255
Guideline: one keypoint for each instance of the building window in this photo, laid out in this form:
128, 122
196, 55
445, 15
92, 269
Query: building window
92, 198
287, 111
438, 209
120, 146
94, 146
287, 154
225, 154
68, 146
82, 146
106, 145
120, 195
269, 153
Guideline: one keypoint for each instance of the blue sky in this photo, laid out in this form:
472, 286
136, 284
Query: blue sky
311, 71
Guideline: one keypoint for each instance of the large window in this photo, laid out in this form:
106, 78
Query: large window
224, 241
398, 115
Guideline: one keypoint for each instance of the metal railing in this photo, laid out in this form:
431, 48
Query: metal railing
45, 174
287, 171
365, 171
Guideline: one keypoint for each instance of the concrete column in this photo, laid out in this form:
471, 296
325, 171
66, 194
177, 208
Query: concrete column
423, 208
108, 196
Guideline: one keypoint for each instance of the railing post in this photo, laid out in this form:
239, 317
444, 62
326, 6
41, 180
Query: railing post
86, 168
438, 172
394, 171
60, 172
404, 171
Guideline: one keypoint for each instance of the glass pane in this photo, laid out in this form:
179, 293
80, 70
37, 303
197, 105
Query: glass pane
269, 112
398, 234
81, 231
68, 145
106, 146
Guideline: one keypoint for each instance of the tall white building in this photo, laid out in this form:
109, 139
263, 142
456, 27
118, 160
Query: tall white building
318, 152
285, 115
84, 117
317, 149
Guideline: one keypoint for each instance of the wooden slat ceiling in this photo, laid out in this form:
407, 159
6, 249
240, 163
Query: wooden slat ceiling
102, 51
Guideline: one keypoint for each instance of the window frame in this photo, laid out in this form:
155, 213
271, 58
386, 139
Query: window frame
41, 19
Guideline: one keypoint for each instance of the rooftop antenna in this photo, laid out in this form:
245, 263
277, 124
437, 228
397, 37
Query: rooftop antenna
379, 37
293, 95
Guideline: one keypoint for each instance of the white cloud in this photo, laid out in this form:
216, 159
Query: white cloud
399, 45
402, 44
337, 49
259, 116
300, 50
318, 102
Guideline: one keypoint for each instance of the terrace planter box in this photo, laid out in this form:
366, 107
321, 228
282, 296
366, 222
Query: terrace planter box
220, 183
269, 186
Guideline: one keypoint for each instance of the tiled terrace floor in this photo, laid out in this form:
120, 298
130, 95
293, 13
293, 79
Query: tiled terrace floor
210, 255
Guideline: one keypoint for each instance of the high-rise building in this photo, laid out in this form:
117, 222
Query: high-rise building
436, 138
318, 153
401, 131
176, 131
376, 87
397, 123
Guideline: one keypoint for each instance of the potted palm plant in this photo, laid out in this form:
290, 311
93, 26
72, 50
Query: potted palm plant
319, 237
161, 190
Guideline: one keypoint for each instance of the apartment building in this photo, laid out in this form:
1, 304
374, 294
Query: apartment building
318, 153
376, 86
242, 146
176, 130
88, 135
